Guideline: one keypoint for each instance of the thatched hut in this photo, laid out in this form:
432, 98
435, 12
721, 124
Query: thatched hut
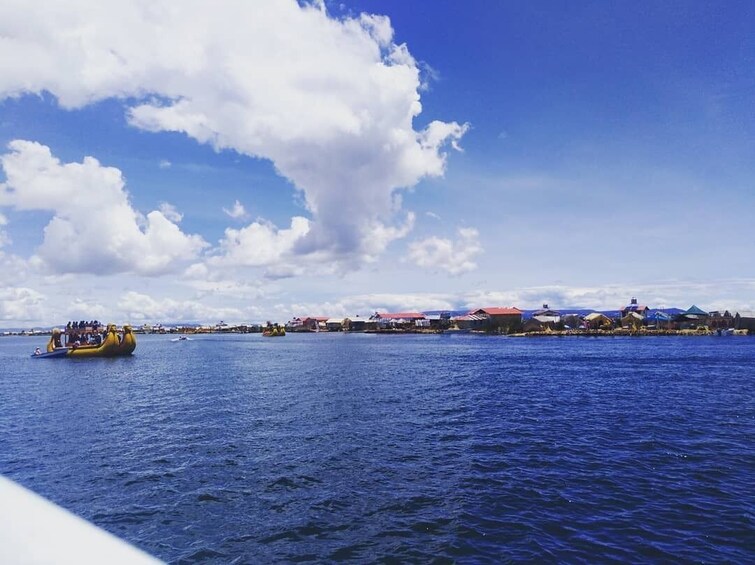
598, 321
632, 321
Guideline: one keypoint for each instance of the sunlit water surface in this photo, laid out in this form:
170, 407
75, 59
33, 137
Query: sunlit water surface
412, 448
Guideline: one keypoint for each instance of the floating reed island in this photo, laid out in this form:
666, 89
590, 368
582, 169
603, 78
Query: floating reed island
635, 333
634, 319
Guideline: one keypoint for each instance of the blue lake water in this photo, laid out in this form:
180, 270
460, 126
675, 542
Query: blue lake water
407, 448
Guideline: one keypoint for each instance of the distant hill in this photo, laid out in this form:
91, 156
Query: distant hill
526, 314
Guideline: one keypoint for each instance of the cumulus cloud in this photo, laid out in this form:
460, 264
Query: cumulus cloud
402, 302
329, 101
236, 211
94, 228
170, 212
87, 308
15, 270
138, 307
454, 257
716, 295
19, 304
4, 239
380, 235
366, 304
260, 244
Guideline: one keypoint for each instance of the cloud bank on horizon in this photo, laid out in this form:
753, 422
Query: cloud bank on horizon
331, 102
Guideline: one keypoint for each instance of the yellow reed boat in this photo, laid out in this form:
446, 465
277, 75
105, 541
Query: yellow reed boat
274, 331
112, 343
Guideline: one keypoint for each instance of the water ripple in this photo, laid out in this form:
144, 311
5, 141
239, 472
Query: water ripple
365, 448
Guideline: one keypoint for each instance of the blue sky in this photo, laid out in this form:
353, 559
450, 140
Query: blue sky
274, 159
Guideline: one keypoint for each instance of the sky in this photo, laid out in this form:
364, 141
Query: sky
249, 161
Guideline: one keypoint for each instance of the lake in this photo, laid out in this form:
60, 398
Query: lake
359, 447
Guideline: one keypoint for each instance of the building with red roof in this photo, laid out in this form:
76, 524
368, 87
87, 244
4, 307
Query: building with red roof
499, 319
498, 311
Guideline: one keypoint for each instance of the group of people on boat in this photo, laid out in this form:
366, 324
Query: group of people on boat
84, 333
83, 324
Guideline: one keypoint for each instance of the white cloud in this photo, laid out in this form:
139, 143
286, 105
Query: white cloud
237, 211
455, 257
197, 271
715, 295
4, 238
165, 164
139, 308
260, 244
380, 235
329, 101
263, 244
233, 288
15, 270
21, 305
87, 309
94, 229
170, 212
366, 304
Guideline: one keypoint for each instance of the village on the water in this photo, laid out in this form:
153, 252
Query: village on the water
631, 319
